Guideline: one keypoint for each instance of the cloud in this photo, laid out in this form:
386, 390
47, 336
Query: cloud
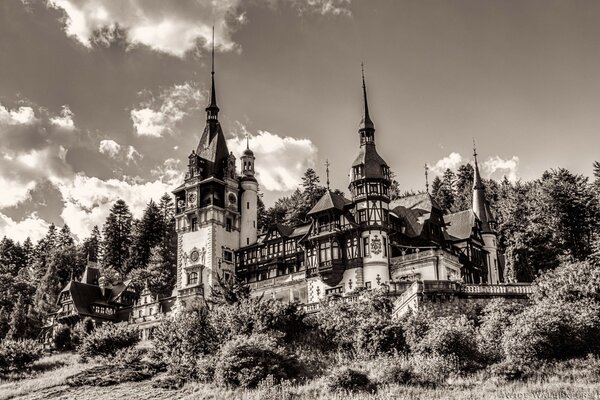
452, 161
87, 200
160, 116
32, 226
280, 161
109, 147
65, 120
324, 7
169, 27
496, 167
21, 116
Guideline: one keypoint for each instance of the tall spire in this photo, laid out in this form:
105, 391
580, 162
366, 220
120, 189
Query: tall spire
212, 111
366, 122
327, 171
477, 184
480, 206
426, 178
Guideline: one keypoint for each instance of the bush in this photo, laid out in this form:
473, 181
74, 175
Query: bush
496, 319
360, 327
510, 370
375, 336
551, 330
434, 368
350, 380
397, 374
180, 340
451, 337
107, 340
245, 361
257, 316
18, 354
62, 340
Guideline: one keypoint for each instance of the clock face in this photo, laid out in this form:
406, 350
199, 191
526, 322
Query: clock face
194, 255
232, 198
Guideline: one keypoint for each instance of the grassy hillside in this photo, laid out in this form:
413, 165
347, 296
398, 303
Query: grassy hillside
47, 380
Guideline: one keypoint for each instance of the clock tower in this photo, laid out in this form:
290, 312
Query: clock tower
207, 211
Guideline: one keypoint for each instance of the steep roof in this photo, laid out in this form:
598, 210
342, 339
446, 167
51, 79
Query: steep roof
329, 201
420, 201
372, 161
459, 226
213, 148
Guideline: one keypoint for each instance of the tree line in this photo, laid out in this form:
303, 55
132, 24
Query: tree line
32, 275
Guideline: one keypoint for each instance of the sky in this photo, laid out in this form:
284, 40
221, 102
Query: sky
101, 100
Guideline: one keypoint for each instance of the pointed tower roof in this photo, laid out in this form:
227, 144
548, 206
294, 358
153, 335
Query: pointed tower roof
480, 206
365, 122
328, 201
213, 146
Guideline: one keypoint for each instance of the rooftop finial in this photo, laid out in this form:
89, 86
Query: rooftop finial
366, 117
212, 70
247, 141
426, 178
327, 171
474, 150
212, 109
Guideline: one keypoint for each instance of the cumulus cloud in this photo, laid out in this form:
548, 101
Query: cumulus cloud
31, 226
496, 167
20, 116
170, 27
65, 119
109, 147
158, 117
324, 7
452, 161
280, 161
87, 200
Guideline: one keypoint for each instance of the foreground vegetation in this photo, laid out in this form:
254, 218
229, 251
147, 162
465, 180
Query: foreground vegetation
243, 347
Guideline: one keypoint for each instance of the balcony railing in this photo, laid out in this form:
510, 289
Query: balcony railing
498, 289
193, 290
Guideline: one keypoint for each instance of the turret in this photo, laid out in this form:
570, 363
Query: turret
369, 186
249, 201
482, 211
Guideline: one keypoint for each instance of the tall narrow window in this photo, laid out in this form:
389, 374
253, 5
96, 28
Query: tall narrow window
194, 224
366, 248
228, 225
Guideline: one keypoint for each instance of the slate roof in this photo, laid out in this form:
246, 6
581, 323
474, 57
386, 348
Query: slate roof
328, 201
459, 225
213, 148
372, 161
414, 211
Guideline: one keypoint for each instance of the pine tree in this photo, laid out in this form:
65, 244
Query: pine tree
11, 256
65, 238
117, 238
149, 232
18, 323
90, 248
463, 188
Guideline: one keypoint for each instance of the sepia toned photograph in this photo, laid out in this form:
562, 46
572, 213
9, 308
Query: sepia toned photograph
299, 199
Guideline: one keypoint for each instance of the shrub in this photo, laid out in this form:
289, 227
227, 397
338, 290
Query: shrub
363, 326
245, 361
551, 330
62, 339
375, 336
510, 370
18, 354
350, 380
397, 374
495, 321
128, 356
256, 316
451, 337
434, 368
180, 340
107, 340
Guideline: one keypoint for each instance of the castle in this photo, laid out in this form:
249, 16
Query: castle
407, 247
